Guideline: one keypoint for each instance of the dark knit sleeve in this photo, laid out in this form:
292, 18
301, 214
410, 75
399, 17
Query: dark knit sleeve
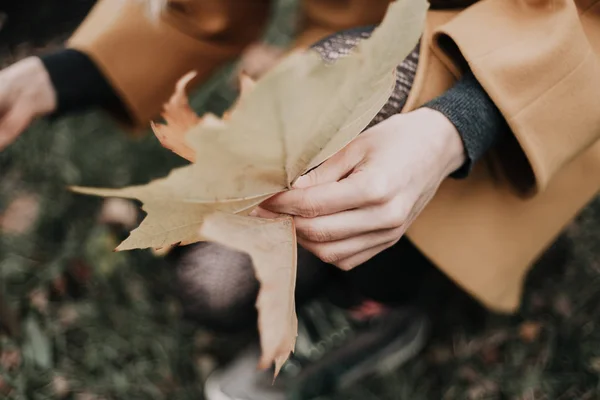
79, 84
475, 116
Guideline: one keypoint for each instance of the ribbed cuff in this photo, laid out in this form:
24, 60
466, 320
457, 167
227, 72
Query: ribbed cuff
79, 84
475, 116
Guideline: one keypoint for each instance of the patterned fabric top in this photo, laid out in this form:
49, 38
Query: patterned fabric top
467, 105
340, 44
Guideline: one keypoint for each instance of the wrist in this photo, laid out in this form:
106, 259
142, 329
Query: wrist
36, 85
445, 140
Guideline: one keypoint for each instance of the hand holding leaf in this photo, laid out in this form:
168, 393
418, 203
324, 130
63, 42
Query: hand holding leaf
297, 116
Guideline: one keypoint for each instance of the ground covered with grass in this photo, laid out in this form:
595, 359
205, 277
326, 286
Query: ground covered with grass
78, 321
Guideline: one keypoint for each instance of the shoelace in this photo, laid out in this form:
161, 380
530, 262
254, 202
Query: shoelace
322, 327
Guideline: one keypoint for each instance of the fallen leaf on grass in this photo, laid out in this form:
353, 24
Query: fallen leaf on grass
10, 359
563, 305
490, 355
67, 315
5, 388
61, 386
20, 215
9, 320
484, 389
88, 396
468, 374
38, 299
529, 331
594, 364
294, 118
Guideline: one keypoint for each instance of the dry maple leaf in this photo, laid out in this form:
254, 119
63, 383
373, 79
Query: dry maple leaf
163, 251
246, 85
170, 222
295, 117
180, 117
271, 243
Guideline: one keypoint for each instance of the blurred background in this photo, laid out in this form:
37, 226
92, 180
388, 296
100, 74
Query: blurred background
78, 321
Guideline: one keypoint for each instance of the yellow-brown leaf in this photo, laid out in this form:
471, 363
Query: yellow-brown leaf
179, 119
271, 243
295, 117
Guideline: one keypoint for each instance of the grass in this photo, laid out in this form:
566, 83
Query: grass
86, 323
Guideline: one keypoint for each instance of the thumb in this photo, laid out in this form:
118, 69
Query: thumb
12, 124
333, 169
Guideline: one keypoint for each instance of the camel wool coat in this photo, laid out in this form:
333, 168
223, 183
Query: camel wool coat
539, 61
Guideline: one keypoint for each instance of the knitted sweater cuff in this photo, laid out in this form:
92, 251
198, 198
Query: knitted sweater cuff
79, 84
475, 116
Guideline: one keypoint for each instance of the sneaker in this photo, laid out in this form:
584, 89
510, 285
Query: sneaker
334, 349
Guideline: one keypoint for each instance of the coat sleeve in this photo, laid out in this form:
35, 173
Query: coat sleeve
142, 56
539, 62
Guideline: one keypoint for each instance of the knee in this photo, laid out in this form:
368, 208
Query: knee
217, 287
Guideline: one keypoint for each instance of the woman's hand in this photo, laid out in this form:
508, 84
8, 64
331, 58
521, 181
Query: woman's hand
362, 200
26, 92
